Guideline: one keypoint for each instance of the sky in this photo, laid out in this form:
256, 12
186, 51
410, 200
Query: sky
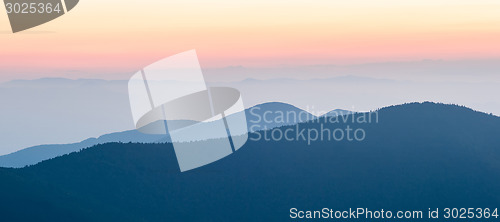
112, 39
368, 54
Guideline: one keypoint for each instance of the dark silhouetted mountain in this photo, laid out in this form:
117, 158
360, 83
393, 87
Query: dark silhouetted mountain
337, 112
33, 155
414, 157
263, 116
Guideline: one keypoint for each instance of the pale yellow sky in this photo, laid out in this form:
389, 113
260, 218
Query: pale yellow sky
119, 35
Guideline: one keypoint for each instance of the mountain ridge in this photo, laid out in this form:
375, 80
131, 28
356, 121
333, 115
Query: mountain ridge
416, 156
35, 154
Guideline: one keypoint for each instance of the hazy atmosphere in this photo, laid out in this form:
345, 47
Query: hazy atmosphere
356, 55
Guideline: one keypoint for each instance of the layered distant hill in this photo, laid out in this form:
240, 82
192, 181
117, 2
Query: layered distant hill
263, 116
62, 111
414, 157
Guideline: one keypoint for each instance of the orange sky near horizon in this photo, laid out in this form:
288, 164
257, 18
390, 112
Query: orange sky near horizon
123, 36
